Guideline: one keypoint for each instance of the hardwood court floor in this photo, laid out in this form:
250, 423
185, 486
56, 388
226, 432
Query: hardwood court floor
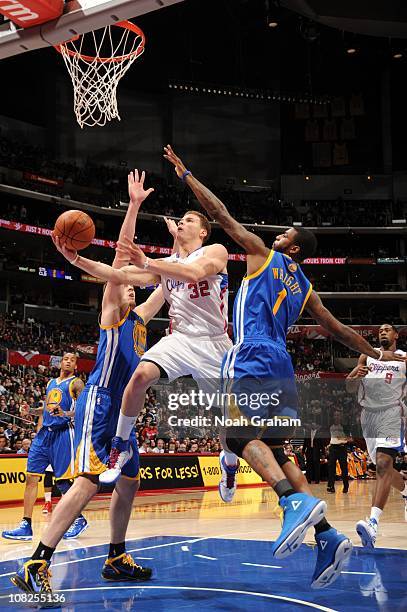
216, 557
253, 514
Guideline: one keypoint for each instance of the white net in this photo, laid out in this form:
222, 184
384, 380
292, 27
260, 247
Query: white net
96, 62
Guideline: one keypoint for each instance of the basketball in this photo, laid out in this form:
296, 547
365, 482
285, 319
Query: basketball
75, 229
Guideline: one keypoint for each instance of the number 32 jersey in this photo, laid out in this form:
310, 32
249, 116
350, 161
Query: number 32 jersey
197, 309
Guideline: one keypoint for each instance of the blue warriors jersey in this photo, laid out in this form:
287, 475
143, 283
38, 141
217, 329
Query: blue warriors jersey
119, 351
59, 393
270, 300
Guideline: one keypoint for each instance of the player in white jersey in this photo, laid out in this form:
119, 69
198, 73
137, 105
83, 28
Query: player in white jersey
381, 388
195, 284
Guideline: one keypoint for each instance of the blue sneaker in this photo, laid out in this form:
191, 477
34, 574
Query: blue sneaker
120, 454
33, 577
23, 532
78, 526
228, 482
334, 549
367, 531
301, 512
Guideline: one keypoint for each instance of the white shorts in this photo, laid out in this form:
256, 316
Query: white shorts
182, 355
383, 428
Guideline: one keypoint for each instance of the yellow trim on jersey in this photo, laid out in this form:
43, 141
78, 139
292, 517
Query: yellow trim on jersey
117, 324
262, 268
34, 474
306, 299
131, 477
70, 386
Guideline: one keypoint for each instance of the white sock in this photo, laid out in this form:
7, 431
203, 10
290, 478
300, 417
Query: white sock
47, 495
230, 458
375, 513
125, 426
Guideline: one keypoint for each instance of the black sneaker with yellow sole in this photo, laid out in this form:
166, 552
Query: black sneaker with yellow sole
33, 577
124, 567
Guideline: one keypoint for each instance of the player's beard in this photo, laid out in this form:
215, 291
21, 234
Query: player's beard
385, 343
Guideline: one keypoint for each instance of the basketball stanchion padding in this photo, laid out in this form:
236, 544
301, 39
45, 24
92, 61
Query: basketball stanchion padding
96, 61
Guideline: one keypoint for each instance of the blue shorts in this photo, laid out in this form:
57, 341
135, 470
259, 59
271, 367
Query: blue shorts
55, 447
96, 415
260, 376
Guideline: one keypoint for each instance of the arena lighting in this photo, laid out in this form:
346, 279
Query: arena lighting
193, 88
297, 224
397, 55
398, 221
351, 50
307, 178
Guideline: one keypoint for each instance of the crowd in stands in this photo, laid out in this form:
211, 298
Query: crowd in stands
107, 185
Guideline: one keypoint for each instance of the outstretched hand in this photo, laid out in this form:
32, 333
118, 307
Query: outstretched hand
137, 193
69, 254
171, 226
132, 251
175, 160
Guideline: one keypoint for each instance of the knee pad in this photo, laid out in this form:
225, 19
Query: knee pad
64, 485
48, 480
279, 454
391, 452
237, 445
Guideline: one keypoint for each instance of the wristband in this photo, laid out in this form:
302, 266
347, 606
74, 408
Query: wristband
146, 263
185, 174
381, 354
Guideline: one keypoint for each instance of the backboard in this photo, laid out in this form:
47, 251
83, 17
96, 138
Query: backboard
78, 17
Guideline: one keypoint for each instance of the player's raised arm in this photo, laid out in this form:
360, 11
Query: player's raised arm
128, 275
212, 262
137, 195
344, 334
148, 309
252, 244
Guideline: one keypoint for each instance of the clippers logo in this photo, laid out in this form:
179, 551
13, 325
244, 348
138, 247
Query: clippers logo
13, 9
382, 367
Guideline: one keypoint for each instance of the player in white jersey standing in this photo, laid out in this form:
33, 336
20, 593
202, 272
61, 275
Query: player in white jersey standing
195, 284
381, 390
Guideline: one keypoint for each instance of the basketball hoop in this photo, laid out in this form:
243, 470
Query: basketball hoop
96, 61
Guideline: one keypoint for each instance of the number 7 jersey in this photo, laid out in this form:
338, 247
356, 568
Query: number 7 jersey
197, 309
270, 300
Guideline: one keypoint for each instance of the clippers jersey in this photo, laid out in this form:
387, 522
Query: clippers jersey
197, 309
59, 393
270, 300
385, 383
119, 351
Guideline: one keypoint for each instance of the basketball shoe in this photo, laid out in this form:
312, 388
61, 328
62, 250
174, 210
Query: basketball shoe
227, 484
23, 532
33, 577
334, 549
120, 454
300, 512
123, 567
367, 531
78, 526
47, 508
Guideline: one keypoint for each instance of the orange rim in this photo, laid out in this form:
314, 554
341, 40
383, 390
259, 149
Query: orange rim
126, 25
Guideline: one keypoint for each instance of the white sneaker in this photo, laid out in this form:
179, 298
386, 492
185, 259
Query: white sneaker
367, 531
228, 483
120, 454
